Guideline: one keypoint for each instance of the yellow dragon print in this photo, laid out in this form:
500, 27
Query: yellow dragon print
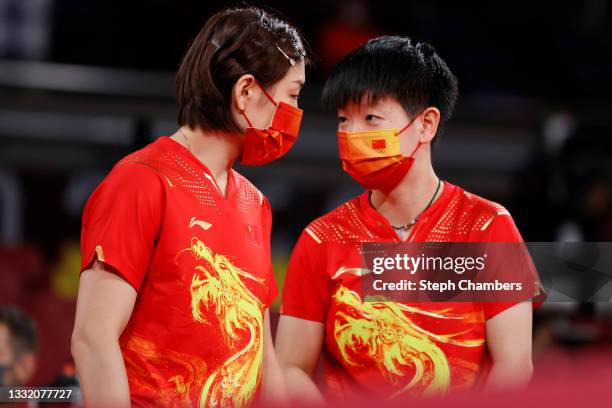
394, 342
217, 283
187, 377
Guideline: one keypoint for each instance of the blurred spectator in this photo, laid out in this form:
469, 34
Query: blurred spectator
46, 292
18, 345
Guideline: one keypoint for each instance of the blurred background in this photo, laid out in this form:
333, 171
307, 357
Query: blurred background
85, 82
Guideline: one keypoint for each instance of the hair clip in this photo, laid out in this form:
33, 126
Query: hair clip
213, 42
291, 60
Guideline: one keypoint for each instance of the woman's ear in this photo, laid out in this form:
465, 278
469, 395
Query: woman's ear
243, 91
429, 125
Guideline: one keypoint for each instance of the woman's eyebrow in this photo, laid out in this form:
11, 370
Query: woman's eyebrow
372, 110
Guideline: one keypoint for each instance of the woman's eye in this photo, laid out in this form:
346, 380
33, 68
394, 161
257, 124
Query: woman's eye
341, 119
370, 117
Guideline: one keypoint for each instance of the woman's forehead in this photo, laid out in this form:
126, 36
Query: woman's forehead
296, 74
383, 103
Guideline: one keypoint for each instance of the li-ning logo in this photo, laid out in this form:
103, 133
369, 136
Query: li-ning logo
202, 224
379, 144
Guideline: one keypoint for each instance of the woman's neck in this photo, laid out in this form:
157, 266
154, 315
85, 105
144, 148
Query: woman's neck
216, 150
410, 198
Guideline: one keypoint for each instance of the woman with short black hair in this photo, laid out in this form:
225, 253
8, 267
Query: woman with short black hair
392, 96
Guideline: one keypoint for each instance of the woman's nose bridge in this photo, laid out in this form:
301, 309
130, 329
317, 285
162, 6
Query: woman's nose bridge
353, 125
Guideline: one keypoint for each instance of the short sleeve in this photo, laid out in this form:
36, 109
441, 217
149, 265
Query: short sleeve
503, 229
306, 291
271, 278
121, 221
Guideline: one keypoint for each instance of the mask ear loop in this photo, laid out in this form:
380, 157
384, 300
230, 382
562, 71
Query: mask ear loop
265, 93
246, 117
270, 98
406, 127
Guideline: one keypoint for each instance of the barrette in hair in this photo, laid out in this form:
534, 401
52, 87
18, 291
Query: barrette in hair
291, 60
213, 42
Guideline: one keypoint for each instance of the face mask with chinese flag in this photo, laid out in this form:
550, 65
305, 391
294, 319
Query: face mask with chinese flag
374, 159
262, 146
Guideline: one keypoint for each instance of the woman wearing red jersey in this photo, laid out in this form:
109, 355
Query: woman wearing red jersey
391, 97
177, 275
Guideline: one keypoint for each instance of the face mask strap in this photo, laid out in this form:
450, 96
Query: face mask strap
409, 123
270, 98
406, 127
415, 149
247, 118
265, 93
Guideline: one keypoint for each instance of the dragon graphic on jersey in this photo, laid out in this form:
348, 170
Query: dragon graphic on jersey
390, 339
217, 285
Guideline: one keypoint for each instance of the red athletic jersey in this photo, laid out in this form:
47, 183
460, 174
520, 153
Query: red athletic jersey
201, 266
387, 348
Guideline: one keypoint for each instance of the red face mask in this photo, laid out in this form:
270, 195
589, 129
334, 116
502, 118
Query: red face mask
262, 146
374, 158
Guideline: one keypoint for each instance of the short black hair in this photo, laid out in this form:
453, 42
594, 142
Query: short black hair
21, 328
414, 74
